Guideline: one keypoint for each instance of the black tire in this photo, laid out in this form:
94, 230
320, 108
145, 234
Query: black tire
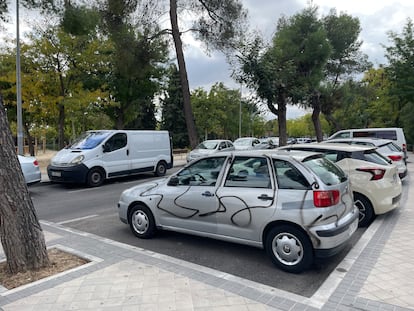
289, 248
96, 177
141, 221
366, 211
161, 169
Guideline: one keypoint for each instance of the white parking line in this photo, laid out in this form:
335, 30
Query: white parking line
76, 219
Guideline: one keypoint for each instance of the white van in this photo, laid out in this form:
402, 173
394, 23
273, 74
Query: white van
103, 154
392, 133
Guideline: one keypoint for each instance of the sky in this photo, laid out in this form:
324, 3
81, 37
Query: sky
377, 18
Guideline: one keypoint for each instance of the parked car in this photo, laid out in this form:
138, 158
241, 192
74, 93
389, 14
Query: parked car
208, 147
245, 143
385, 147
296, 207
375, 183
30, 169
395, 134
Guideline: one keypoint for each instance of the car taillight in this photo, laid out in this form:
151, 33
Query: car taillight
395, 157
35, 163
377, 173
325, 198
404, 147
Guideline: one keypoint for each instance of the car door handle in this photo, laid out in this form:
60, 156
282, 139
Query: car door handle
207, 194
127, 152
265, 197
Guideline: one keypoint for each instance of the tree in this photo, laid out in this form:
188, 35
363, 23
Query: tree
400, 71
172, 106
219, 24
137, 59
291, 66
20, 232
345, 61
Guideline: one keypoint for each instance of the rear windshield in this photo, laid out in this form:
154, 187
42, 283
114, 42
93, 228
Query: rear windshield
370, 156
328, 172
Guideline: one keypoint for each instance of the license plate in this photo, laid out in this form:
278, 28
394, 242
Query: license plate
56, 174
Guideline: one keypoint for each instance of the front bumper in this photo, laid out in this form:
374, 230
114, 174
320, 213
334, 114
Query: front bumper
69, 174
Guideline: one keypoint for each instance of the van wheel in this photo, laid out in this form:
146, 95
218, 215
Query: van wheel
289, 248
366, 212
96, 177
161, 169
141, 222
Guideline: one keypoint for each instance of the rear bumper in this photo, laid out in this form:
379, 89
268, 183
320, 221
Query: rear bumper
70, 174
332, 238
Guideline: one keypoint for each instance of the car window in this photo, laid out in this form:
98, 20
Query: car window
329, 173
249, 172
342, 135
222, 145
288, 176
201, 173
370, 156
116, 142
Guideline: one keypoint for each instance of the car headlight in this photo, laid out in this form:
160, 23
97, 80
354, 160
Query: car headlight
77, 160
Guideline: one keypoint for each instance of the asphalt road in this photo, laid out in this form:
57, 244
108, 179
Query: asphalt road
94, 210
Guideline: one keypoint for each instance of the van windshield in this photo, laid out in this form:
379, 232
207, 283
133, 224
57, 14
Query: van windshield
88, 140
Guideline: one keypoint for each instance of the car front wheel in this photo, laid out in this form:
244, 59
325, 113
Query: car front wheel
141, 222
289, 248
96, 177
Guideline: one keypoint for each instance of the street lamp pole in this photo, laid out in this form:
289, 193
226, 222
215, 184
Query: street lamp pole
18, 86
240, 110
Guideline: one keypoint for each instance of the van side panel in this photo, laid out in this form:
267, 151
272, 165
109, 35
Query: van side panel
147, 149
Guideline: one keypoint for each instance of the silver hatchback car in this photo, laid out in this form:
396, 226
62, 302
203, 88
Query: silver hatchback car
296, 206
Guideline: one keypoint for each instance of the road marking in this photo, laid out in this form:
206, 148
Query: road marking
76, 219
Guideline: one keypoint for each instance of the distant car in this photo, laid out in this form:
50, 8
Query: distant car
375, 183
296, 207
245, 143
386, 147
208, 147
30, 168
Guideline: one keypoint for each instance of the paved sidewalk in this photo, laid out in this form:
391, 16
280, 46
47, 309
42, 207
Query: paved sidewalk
377, 274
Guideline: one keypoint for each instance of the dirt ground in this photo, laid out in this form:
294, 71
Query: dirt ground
60, 261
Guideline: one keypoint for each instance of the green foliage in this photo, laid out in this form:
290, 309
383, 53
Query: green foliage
172, 110
217, 113
303, 127
400, 71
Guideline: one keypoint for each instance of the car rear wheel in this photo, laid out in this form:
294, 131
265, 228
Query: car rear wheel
141, 222
366, 212
161, 169
289, 248
96, 177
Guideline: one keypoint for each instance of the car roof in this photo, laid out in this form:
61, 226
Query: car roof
375, 141
298, 155
330, 146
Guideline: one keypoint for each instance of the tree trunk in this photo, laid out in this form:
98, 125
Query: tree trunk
20, 232
316, 104
188, 112
61, 125
280, 112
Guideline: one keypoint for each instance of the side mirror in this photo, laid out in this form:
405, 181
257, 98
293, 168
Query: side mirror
105, 148
174, 181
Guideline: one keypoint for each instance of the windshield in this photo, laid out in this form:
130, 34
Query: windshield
328, 172
88, 140
211, 145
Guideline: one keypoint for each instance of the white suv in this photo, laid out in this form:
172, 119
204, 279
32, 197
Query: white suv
376, 186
